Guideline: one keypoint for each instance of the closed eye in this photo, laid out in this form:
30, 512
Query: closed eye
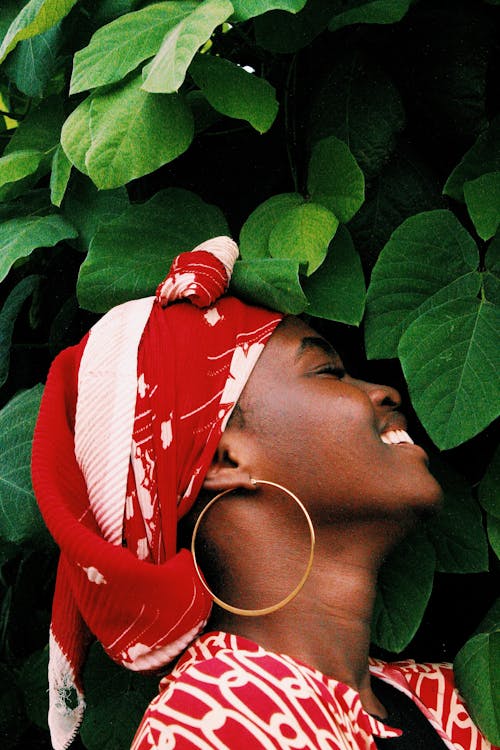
334, 370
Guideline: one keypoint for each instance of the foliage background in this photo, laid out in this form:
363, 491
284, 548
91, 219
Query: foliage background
359, 147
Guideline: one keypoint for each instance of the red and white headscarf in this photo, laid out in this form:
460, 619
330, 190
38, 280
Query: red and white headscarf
129, 422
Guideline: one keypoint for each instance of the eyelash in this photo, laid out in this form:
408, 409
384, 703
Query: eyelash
338, 372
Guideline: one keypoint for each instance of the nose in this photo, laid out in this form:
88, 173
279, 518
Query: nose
381, 396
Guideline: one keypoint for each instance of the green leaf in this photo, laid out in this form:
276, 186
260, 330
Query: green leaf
133, 133
168, 69
283, 32
20, 519
489, 489
245, 9
482, 157
233, 91
8, 317
303, 233
59, 178
449, 357
360, 105
334, 178
130, 255
404, 587
491, 277
271, 282
116, 700
87, 208
19, 237
370, 11
429, 254
19, 164
482, 197
493, 526
12, 719
36, 17
32, 681
40, 129
336, 291
403, 188
75, 135
33, 62
256, 231
117, 48
477, 674
457, 531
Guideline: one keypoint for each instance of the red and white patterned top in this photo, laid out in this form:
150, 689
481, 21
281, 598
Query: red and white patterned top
229, 693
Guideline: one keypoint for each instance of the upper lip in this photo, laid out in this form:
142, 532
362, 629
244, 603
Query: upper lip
396, 421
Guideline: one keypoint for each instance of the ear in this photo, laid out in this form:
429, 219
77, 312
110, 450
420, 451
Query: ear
228, 470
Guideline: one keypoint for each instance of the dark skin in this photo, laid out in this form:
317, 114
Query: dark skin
307, 425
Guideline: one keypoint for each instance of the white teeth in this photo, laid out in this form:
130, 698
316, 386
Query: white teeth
393, 437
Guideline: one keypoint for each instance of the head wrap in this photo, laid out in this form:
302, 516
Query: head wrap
129, 423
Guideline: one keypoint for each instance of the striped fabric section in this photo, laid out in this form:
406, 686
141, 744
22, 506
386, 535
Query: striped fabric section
107, 388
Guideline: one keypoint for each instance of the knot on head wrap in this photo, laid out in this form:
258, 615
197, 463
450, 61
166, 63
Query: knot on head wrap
129, 422
202, 275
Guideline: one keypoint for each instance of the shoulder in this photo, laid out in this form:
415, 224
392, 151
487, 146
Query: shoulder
432, 686
238, 697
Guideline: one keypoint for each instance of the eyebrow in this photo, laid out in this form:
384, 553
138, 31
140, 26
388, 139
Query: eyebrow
315, 342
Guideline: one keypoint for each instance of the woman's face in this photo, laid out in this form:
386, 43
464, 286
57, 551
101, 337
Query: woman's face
337, 442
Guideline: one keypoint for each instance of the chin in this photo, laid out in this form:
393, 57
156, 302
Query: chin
430, 500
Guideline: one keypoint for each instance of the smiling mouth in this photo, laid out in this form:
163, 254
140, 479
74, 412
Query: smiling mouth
396, 437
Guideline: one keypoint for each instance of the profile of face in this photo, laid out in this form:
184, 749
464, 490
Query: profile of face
338, 443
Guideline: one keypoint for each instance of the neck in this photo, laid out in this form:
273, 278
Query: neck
328, 624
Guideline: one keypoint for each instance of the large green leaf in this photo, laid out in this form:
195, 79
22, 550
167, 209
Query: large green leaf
168, 69
245, 9
336, 291
20, 520
369, 11
87, 207
489, 489
403, 591
233, 91
134, 132
482, 157
359, 104
334, 178
19, 164
8, 317
430, 254
117, 48
303, 233
457, 531
19, 237
75, 135
256, 231
449, 357
36, 17
32, 680
59, 177
482, 197
130, 255
11, 709
34, 61
271, 282
116, 700
477, 674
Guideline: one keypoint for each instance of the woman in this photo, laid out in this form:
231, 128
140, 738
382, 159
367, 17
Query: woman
167, 401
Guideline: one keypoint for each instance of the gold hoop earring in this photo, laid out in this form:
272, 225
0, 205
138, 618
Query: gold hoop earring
292, 594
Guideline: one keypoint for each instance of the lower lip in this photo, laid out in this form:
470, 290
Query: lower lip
410, 446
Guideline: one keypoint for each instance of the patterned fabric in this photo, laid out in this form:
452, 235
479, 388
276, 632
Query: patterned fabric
129, 422
228, 693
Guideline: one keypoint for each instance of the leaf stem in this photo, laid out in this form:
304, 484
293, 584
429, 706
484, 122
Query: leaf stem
290, 138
